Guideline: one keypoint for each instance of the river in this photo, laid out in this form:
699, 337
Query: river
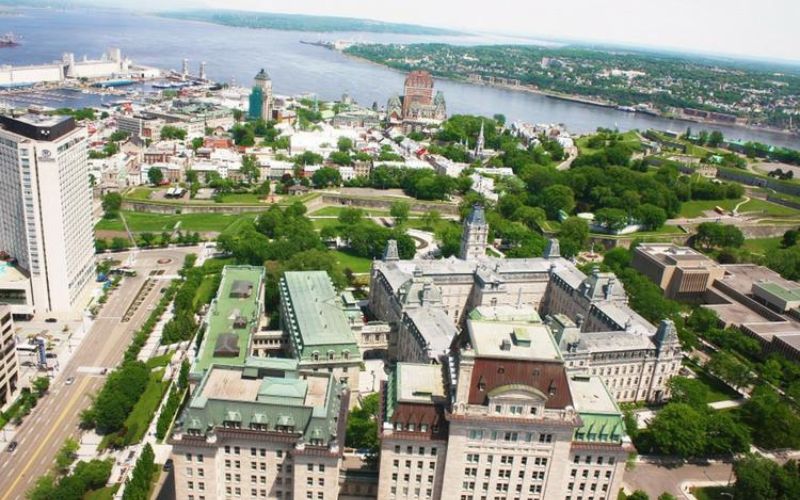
236, 54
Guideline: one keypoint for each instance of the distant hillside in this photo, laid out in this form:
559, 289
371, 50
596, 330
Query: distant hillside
296, 22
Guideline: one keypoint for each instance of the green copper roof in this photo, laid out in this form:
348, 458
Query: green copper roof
267, 397
783, 293
314, 318
232, 318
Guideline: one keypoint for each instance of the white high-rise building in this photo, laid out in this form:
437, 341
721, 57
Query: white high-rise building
46, 208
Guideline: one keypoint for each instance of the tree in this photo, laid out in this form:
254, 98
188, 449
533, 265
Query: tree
118, 244
169, 132
651, 216
729, 369
344, 144
112, 202
500, 118
613, 219
326, 176
183, 378
41, 385
341, 158
617, 259
715, 139
556, 199
572, 236
760, 478
712, 235
362, 425
679, 429
430, 219
155, 176
399, 210
147, 239
773, 422
250, 169
197, 143
66, 455
689, 391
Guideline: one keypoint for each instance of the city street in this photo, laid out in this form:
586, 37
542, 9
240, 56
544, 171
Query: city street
56, 416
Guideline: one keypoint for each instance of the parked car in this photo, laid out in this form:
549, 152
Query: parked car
12, 446
69, 380
50, 320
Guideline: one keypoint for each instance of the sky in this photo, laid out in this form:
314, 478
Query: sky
751, 28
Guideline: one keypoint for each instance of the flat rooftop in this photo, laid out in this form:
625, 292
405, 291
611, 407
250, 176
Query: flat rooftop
419, 383
591, 395
506, 313
232, 318
742, 277
788, 294
317, 315
512, 339
11, 275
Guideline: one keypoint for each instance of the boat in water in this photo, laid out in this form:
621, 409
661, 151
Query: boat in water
9, 40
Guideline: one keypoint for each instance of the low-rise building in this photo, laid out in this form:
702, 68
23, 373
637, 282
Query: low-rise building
682, 272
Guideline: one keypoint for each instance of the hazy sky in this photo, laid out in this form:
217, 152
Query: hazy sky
754, 28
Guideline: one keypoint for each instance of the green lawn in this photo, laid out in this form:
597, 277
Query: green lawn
441, 225
334, 211
355, 263
768, 208
144, 409
697, 208
106, 493
717, 391
323, 223
630, 138
762, 245
159, 361
140, 193
712, 493
141, 222
242, 198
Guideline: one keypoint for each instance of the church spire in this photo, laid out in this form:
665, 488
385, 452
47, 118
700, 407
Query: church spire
479, 143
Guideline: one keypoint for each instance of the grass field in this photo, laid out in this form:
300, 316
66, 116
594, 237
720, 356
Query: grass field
159, 361
762, 245
141, 222
144, 409
323, 223
630, 138
768, 208
242, 198
697, 208
717, 391
106, 493
355, 263
334, 211
713, 493
140, 193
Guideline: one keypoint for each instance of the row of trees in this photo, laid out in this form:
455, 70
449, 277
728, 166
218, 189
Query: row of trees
137, 487
173, 403
86, 477
365, 238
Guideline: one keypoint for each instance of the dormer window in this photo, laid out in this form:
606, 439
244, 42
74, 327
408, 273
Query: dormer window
315, 356
501, 370
498, 409
481, 384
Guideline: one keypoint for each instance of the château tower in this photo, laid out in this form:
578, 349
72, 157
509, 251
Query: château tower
475, 237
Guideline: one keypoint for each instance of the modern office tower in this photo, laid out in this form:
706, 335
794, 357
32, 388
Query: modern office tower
47, 232
9, 362
261, 97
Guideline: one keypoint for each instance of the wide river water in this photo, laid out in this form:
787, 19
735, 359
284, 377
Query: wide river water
236, 54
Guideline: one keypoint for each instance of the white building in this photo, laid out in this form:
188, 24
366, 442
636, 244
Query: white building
46, 209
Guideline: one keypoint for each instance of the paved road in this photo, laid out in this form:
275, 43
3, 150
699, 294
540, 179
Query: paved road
56, 416
656, 479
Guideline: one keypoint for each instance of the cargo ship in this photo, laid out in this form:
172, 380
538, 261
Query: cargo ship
9, 40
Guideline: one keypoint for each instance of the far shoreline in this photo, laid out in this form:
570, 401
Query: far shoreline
582, 100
